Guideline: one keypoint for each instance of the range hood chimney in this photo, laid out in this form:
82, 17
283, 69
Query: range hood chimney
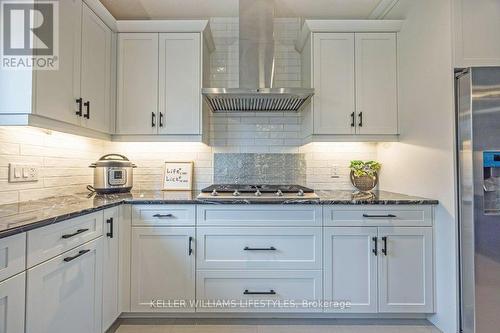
256, 68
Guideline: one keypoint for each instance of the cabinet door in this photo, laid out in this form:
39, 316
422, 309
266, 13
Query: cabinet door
376, 83
406, 270
110, 275
96, 72
180, 83
12, 293
333, 72
163, 269
351, 268
137, 83
56, 91
64, 294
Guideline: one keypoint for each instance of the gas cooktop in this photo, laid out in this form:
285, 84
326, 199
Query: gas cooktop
265, 191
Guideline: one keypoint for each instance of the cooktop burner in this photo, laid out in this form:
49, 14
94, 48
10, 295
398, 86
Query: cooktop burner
249, 188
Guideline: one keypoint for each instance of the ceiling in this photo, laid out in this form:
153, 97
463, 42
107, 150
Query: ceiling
193, 9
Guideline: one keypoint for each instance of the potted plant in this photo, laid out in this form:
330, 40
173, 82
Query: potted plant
364, 175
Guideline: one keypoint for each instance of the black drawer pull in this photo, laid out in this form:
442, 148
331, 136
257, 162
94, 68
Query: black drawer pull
375, 246
79, 101
79, 231
163, 216
272, 248
270, 292
379, 216
80, 253
110, 222
384, 250
87, 105
190, 249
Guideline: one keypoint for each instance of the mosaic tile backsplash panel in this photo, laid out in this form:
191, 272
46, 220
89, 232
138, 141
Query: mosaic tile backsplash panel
260, 168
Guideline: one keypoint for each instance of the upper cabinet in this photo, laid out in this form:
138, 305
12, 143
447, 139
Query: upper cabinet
353, 68
76, 97
160, 78
476, 24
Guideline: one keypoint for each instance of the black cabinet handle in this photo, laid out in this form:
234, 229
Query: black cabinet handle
270, 292
153, 119
163, 216
161, 119
87, 114
375, 246
352, 119
379, 216
80, 253
272, 248
79, 231
360, 119
190, 250
79, 101
110, 222
384, 250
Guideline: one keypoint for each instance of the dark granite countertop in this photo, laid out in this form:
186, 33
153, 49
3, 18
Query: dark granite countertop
24, 216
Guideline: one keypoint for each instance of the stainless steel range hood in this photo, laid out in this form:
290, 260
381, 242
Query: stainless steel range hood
256, 68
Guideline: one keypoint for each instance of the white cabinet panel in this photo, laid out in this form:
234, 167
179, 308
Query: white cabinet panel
376, 83
406, 270
163, 215
163, 268
259, 291
350, 271
137, 83
12, 300
476, 26
96, 72
259, 248
110, 273
64, 294
50, 241
180, 83
56, 91
259, 215
334, 98
12, 255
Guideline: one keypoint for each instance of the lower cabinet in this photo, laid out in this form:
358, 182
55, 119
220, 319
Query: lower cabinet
110, 270
12, 298
64, 294
379, 269
163, 269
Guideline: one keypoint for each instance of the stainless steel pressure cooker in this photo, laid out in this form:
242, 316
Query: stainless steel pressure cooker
113, 173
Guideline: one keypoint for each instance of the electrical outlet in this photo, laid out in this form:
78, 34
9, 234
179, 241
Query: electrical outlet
335, 171
19, 173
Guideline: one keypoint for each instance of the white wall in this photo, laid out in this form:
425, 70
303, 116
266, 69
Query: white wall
422, 163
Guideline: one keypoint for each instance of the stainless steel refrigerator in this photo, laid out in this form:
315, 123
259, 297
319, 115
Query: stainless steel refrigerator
478, 158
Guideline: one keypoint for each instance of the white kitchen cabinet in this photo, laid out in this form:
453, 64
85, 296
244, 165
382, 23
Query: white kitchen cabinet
64, 294
110, 270
56, 91
350, 269
137, 105
476, 24
12, 300
12, 255
162, 269
96, 72
334, 98
376, 83
180, 83
406, 268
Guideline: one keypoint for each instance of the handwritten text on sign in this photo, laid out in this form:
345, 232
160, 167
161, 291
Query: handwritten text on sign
178, 175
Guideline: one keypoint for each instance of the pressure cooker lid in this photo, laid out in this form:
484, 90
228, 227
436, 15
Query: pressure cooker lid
113, 160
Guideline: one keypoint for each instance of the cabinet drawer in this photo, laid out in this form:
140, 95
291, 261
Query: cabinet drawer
12, 255
50, 241
161, 215
259, 248
397, 215
258, 291
259, 215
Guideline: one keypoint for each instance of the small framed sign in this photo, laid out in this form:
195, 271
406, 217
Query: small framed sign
178, 176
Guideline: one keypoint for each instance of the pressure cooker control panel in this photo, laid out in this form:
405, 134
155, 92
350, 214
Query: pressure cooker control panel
117, 176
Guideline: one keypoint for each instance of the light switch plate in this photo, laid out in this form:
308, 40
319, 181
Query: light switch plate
20, 173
